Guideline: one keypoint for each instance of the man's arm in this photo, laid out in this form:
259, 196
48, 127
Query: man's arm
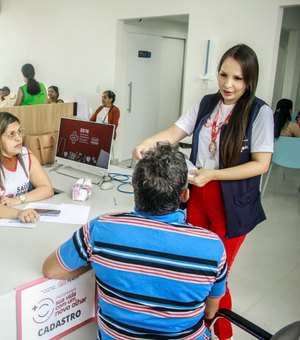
53, 269
212, 306
219, 287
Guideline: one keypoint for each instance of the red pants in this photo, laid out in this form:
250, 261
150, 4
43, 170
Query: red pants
205, 209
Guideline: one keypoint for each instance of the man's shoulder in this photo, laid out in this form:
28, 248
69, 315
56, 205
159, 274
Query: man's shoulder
116, 216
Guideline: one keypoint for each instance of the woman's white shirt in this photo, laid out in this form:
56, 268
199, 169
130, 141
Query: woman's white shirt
262, 131
16, 182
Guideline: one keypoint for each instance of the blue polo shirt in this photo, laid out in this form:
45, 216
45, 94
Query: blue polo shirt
153, 273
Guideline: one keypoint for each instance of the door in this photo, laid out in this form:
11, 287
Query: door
171, 77
153, 86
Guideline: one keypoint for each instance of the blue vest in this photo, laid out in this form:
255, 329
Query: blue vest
241, 198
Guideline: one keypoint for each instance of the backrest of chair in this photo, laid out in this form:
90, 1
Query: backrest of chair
289, 332
293, 117
287, 152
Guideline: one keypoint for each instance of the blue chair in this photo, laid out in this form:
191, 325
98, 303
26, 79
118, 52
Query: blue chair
286, 154
293, 116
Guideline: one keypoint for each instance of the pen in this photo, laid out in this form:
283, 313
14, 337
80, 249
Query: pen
19, 221
115, 201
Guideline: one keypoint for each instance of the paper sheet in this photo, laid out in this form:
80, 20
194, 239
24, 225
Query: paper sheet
70, 213
13, 223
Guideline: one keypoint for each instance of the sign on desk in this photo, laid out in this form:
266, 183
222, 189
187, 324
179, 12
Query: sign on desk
50, 309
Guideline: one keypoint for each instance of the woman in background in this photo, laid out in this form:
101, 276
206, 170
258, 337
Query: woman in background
298, 118
53, 95
282, 118
232, 147
18, 169
107, 112
32, 92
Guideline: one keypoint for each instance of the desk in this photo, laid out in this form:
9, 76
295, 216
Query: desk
23, 251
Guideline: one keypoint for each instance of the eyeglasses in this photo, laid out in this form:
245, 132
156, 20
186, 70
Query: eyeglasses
13, 134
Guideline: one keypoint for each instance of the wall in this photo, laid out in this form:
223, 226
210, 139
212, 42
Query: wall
73, 44
287, 80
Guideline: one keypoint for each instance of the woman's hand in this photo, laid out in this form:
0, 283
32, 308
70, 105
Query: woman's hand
140, 150
172, 135
10, 201
28, 216
200, 177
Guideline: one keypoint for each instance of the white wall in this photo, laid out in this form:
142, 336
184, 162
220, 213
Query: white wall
73, 44
287, 80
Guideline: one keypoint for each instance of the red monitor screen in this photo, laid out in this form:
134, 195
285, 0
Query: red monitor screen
84, 142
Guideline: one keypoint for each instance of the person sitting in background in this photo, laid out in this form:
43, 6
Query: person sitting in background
157, 277
298, 118
32, 92
107, 112
53, 95
7, 98
18, 169
282, 119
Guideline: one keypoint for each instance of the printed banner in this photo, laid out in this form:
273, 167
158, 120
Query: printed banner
50, 309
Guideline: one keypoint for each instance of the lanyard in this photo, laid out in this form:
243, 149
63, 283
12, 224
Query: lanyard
216, 130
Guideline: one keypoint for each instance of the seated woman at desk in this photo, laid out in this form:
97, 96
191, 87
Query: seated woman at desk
53, 95
18, 168
32, 92
282, 116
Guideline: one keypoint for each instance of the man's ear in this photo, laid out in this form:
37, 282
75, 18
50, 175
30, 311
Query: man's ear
185, 195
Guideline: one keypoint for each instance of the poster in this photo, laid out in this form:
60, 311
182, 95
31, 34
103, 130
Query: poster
50, 309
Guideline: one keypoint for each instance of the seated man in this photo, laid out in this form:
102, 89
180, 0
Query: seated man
157, 277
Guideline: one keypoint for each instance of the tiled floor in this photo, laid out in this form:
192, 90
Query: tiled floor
265, 277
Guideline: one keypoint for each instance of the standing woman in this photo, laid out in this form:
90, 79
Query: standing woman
232, 147
18, 169
32, 92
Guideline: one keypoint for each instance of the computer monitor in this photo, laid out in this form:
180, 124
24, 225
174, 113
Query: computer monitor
84, 146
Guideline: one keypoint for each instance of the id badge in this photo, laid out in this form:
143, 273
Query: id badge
210, 164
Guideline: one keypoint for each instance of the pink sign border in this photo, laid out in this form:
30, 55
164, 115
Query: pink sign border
19, 291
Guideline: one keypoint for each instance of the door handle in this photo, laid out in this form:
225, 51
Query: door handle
130, 97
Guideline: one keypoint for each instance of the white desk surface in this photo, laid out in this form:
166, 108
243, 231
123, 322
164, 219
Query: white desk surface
23, 251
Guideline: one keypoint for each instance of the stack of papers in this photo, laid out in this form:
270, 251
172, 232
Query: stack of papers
67, 213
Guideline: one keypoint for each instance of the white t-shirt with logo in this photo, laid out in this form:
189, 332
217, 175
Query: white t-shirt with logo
262, 131
16, 181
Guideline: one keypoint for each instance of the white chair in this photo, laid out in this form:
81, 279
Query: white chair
286, 154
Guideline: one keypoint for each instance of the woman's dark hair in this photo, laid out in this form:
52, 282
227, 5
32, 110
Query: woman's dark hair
7, 118
33, 86
111, 95
55, 89
282, 115
235, 130
158, 180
